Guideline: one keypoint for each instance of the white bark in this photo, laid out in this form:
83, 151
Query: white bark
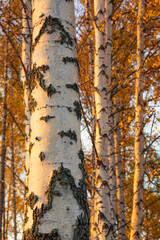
102, 221
57, 197
111, 157
119, 178
137, 211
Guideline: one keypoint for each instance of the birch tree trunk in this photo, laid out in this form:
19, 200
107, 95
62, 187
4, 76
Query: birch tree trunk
13, 178
102, 221
111, 157
137, 211
57, 205
119, 178
3, 149
26, 58
91, 79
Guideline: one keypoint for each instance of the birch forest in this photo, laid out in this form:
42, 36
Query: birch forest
79, 120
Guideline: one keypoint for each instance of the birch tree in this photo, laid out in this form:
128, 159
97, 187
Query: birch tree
91, 80
136, 219
102, 220
57, 206
119, 177
3, 147
26, 58
110, 133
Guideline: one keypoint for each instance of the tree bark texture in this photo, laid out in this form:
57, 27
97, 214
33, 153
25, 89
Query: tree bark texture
102, 220
57, 205
137, 211
111, 157
119, 177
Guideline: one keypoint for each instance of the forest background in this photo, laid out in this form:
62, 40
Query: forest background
123, 76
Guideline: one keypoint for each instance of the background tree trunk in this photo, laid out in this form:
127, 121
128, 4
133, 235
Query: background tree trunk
26, 58
13, 178
137, 211
3, 148
119, 177
111, 157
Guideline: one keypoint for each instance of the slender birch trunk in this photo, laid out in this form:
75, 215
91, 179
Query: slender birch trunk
13, 178
57, 205
137, 211
7, 213
26, 58
102, 221
4, 221
3, 149
111, 157
91, 79
119, 178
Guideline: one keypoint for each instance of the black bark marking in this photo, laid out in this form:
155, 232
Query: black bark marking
50, 90
77, 109
46, 118
32, 104
71, 60
71, 134
73, 86
31, 200
50, 26
42, 156
81, 232
37, 77
30, 147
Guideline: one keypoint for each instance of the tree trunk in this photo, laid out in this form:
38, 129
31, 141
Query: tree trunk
13, 178
137, 211
91, 79
119, 178
7, 213
3, 148
57, 204
102, 221
111, 157
26, 58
